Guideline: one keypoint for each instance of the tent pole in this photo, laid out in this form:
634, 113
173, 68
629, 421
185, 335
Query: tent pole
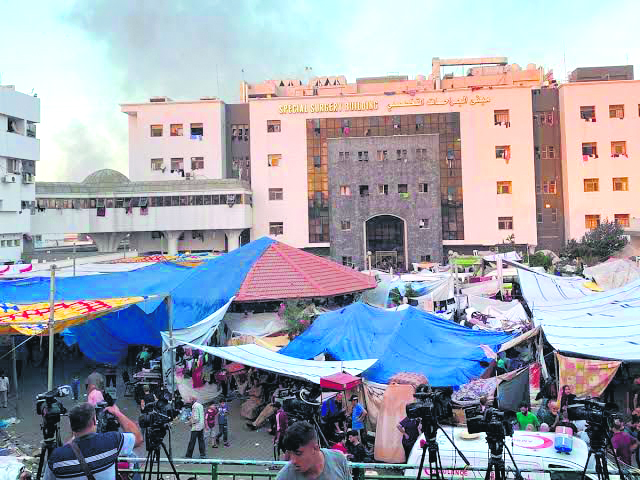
52, 293
171, 346
15, 374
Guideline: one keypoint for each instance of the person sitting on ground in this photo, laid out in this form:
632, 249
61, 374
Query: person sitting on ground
100, 451
306, 458
525, 417
623, 443
549, 415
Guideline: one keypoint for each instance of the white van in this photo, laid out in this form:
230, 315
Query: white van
531, 450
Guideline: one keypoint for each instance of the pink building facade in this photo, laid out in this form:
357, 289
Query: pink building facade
600, 121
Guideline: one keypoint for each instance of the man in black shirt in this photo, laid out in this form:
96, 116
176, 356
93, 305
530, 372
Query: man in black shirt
357, 452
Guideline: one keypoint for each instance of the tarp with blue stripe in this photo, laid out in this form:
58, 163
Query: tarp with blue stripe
196, 292
408, 340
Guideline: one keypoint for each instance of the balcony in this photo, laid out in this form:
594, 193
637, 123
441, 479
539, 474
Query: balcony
14, 145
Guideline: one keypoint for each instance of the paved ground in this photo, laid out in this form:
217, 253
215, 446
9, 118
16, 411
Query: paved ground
245, 444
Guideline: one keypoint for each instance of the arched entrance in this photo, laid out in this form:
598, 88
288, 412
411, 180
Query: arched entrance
386, 240
245, 237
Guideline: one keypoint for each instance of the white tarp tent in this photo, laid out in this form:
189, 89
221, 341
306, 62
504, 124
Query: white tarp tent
263, 358
254, 324
513, 256
542, 288
614, 273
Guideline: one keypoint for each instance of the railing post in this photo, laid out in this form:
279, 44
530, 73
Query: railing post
214, 471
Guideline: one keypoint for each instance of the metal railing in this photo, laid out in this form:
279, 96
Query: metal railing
228, 469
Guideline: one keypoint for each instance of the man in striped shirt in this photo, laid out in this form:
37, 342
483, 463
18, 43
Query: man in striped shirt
100, 450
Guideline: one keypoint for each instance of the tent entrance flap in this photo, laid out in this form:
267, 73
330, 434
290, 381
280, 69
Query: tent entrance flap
265, 359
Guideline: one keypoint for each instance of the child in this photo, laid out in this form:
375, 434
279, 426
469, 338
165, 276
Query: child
210, 423
223, 427
75, 385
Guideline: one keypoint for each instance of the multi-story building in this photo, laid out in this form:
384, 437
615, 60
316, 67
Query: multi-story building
479, 162
599, 122
19, 152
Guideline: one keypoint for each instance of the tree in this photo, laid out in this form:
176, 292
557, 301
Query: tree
601, 242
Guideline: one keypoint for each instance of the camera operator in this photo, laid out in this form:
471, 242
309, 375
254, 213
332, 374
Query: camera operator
91, 455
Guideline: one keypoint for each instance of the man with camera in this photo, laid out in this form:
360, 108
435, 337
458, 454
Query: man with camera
90, 455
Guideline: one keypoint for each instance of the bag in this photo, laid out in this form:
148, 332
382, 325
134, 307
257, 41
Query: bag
82, 461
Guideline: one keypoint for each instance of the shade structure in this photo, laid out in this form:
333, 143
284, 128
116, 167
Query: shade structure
284, 272
340, 381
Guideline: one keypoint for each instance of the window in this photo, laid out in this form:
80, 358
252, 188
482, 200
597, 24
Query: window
616, 111
546, 118
622, 219
591, 185
504, 187
157, 164
275, 194
276, 228
539, 215
177, 164
501, 117
503, 151
364, 190
156, 235
423, 187
383, 189
403, 188
197, 163
401, 155
197, 130
16, 242
156, 130
618, 149
273, 126
176, 129
274, 160
552, 187
548, 152
421, 153
240, 133
591, 221
345, 190
347, 261
554, 215
345, 225
363, 156
382, 155
590, 149
588, 113
505, 223
423, 223
621, 184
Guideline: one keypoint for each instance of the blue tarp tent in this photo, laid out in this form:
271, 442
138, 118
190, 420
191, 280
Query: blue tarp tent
408, 340
196, 292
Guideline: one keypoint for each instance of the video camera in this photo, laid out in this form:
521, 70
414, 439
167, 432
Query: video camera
156, 422
434, 404
49, 407
597, 414
495, 423
105, 420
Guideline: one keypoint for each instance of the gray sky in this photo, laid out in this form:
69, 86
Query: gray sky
83, 58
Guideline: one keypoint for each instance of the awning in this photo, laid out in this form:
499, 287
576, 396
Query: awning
33, 319
340, 381
265, 359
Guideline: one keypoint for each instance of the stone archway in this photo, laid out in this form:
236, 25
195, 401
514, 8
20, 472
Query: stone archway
386, 239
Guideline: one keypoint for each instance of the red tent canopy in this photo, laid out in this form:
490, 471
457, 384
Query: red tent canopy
340, 381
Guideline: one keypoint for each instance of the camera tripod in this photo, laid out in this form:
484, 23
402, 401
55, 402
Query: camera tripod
599, 439
49, 444
430, 429
153, 457
496, 459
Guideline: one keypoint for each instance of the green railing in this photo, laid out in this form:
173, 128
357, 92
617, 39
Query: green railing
224, 469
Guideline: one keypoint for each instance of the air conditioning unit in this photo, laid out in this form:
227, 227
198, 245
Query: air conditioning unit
9, 178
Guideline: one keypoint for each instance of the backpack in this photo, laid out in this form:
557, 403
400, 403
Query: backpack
210, 418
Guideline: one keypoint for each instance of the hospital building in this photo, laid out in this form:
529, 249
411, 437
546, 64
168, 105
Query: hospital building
404, 169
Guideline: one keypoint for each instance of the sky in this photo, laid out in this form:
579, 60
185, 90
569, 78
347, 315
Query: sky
84, 58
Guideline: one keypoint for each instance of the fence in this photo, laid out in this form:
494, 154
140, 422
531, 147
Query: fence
224, 469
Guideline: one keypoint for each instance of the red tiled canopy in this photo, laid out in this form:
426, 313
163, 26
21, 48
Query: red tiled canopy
286, 272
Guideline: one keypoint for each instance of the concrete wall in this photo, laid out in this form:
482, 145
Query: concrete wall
19, 105
391, 172
575, 131
144, 242
143, 147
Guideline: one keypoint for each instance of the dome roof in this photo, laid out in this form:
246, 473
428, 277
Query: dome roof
106, 175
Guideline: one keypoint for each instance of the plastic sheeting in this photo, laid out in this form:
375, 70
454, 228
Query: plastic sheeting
614, 273
408, 340
542, 288
505, 316
255, 324
196, 293
489, 287
264, 359
513, 256
435, 286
